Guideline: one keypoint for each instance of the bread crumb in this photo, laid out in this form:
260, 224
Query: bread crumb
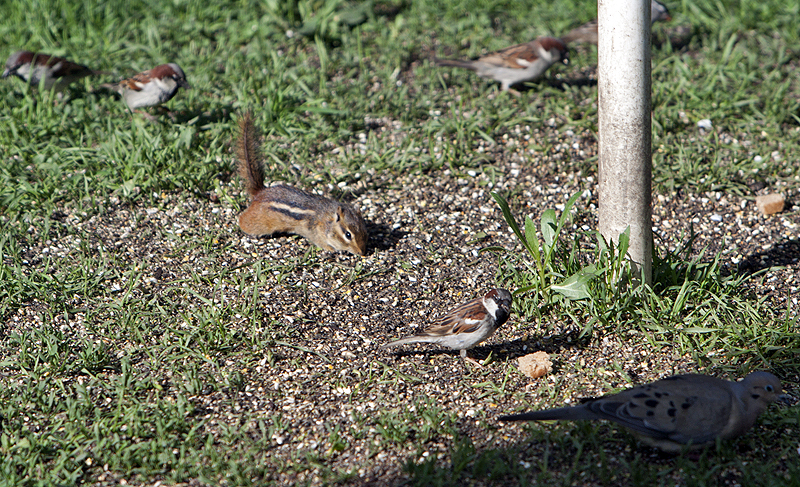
770, 204
535, 365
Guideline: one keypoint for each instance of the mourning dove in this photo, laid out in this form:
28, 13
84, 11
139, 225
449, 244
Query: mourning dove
682, 411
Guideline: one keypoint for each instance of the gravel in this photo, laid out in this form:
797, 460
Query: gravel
329, 312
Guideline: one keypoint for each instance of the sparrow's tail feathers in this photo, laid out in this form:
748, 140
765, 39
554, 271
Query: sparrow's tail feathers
568, 414
455, 63
107, 87
580, 34
411, 339
248, 152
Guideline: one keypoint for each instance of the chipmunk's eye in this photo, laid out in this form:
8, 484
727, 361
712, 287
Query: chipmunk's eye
347, 235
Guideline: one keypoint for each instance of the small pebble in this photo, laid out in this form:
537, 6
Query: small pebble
704, 124
769, 204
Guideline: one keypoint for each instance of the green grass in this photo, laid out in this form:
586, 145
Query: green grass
121, 362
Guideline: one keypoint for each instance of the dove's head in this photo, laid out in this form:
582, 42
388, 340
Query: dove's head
762, 389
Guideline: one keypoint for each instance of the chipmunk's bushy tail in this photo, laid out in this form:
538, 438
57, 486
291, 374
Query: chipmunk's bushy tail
248, 153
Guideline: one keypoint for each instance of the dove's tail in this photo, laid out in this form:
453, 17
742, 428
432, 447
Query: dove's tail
568, 414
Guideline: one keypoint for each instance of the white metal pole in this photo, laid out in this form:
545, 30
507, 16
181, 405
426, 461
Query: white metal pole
623, 52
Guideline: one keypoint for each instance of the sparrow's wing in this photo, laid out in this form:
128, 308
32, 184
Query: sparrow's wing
44, 59
62, 67
516, 57
68, 69
136, 82
466, 318
75, 68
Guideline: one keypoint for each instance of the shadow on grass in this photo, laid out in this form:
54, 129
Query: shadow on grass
215, 115
587, 453
562, 84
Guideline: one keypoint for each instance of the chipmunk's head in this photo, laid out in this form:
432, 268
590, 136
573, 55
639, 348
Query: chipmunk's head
349, 232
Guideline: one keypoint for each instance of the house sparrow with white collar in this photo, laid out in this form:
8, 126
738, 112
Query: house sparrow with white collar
152, 87
588, 31
36, 68
467, 325
515, 64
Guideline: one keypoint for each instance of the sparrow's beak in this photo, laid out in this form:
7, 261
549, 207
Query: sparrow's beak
184, 84
6, 72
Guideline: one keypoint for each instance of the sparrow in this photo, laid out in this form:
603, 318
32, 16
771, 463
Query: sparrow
684, 411
467, 325
588, 31
57, 72
151, 88
515, 64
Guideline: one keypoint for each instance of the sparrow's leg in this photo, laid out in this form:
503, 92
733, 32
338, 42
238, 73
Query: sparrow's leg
467, 358
506, 86
146, 115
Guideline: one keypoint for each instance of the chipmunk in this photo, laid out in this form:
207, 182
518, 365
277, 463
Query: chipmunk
328, 224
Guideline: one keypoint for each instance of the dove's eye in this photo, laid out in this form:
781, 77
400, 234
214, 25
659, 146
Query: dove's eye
769, 388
